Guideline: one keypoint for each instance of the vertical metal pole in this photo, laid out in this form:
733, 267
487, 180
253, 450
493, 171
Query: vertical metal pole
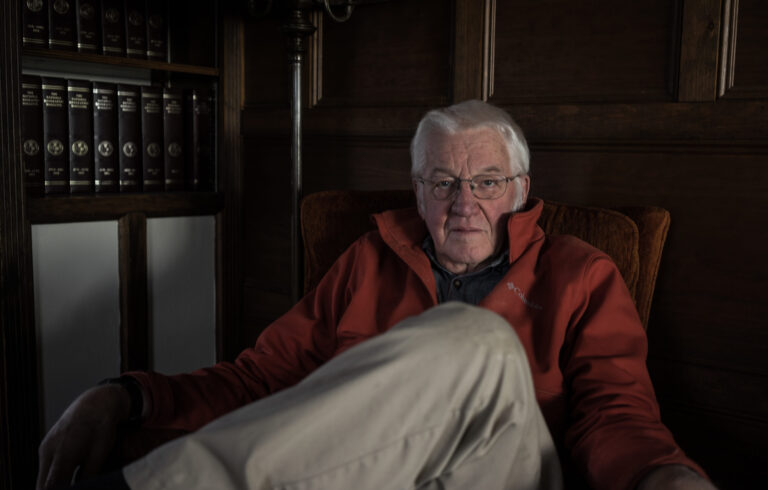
298, 28
296, 179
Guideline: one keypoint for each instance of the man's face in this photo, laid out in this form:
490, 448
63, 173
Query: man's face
467, 231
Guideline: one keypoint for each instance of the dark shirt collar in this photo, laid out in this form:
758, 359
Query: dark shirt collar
471, 287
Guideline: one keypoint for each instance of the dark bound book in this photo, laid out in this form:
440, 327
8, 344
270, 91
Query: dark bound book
129, 137
152, 138
157, 30
198, 138
62, 25
32, 133
112, 28
55, 135
35, 20
105, 154
88, 26
135, 29
79, 103
173, 138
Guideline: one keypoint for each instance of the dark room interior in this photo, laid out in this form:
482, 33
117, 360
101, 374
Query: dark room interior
624, 104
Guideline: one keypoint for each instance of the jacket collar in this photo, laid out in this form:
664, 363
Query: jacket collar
523, 228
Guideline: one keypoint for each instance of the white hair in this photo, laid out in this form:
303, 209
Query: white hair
469, 115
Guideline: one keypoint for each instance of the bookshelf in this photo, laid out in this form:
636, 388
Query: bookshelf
66, 208
205, 49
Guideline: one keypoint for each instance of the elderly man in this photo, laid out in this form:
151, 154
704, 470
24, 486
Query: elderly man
389, 377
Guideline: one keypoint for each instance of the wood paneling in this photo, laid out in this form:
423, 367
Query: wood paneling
744, 70
689, 125
265, 52
699, 50
366, 163
474, 29
266, 213
229, 224
397, 44
591, 51
713, 390
19, 422
731, 449
134, 303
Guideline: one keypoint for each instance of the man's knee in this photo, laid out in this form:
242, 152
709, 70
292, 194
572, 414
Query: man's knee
458, 330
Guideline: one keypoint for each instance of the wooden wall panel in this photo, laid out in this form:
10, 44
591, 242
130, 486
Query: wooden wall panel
266, 52
644, 125
266, 211
357, 163
699, 51
392, 59
744, 71
731, 449
560, 50
266, 233
230, 243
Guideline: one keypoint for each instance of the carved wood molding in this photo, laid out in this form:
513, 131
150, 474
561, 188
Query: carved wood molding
229, 222
473, 49
728, 45
698, 51
489, 48
315, 61
729, 86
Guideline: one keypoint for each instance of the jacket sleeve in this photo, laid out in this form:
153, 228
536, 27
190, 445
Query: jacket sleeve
287, 351
615, 434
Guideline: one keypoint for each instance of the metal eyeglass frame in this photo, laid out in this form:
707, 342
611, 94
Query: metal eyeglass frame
456, 185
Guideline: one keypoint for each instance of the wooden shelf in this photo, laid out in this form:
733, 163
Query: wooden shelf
74, 56
69, 208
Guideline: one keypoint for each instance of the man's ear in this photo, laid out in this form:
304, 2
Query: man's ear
419, 202
525, 185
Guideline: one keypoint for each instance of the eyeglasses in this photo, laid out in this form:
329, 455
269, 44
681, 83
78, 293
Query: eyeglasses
482, 186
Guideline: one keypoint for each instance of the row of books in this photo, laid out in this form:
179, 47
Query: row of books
82, 136
131, 28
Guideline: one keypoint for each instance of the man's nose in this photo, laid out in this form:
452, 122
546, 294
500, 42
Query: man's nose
464, 202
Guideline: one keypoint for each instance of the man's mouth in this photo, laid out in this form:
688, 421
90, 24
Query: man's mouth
463, 230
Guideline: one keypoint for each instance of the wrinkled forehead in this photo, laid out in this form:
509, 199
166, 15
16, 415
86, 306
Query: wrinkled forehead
479, 151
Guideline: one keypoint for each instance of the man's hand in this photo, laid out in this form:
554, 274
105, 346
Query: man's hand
84, 435
674, 477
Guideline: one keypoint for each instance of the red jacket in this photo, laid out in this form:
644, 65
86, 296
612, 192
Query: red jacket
565, 299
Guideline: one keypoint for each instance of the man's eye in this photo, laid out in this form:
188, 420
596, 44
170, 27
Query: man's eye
443, 184
489, 182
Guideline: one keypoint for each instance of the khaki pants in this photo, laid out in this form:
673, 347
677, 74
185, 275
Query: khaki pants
444, 400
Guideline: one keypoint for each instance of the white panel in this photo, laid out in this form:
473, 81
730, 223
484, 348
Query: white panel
77, 308
180, 256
